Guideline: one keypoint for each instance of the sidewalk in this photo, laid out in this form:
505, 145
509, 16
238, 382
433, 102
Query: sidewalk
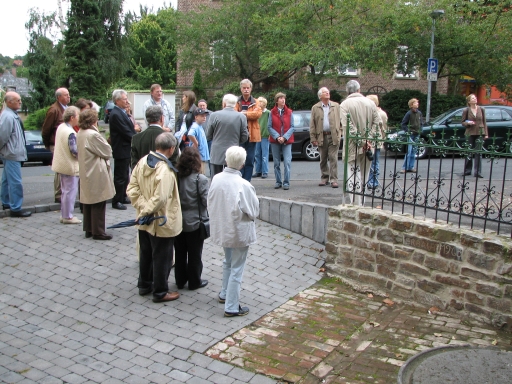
70, 313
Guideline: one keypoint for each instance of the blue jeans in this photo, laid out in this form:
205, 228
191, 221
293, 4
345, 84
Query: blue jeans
409, 159
373, 178
12, 189
261, 157
246, 171
286, 150
233, 270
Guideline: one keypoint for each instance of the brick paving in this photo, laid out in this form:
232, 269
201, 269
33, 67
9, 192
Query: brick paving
70, 313
332, 334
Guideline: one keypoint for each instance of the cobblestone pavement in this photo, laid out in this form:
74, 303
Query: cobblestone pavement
70, 310
332, 334
70, 313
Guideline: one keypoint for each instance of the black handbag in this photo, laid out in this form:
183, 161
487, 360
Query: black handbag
204, 225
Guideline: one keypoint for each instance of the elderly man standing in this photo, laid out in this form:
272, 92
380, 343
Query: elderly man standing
49, 129
233, 207
153, 190
250, 107
121, 132
364, 120
157, 98
226, 128
325, 132
12, 153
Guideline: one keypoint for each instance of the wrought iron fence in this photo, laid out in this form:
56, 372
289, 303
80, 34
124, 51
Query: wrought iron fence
437, 186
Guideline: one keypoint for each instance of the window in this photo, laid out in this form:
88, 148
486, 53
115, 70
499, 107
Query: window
403, 69
493, 114
347, 70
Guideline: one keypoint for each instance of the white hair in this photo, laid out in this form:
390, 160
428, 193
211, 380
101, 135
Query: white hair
352, 87
117, 94
235, 157
229, 100
321, 90
246, 81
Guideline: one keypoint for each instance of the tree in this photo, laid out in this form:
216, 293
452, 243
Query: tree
197, 86
94, 47
153, 44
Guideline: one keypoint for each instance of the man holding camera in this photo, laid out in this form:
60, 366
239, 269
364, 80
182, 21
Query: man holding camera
325, 133
364, 119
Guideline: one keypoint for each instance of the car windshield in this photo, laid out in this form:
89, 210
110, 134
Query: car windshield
33, 136
441, 117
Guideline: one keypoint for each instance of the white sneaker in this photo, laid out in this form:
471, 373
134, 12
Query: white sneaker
73, 220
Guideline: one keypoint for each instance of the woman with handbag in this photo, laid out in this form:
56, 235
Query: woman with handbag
188, 245
473, 118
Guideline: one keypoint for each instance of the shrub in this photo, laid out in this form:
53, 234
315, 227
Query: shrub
35, 120
395, 104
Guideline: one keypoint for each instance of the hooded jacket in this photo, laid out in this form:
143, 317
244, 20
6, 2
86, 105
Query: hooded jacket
153, 190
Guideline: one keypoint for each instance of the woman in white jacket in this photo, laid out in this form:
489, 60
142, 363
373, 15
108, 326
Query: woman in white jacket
233, 207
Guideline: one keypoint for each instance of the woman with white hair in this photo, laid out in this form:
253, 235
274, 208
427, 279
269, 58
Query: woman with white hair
233, 207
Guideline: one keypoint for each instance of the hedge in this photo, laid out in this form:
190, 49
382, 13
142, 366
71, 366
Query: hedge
35, 120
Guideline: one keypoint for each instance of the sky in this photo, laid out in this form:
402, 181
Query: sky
14, 39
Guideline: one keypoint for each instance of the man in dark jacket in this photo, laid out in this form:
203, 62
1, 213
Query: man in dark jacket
121, 133
49, 129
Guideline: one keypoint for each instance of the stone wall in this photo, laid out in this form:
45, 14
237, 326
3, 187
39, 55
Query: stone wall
420, 261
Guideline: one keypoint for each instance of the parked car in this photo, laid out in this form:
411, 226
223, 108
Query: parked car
302, 147
499, 123
36, 152
108, 108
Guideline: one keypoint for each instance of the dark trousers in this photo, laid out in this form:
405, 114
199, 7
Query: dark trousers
215, 168
94, 218
155, 263
188, 265
250, 149
121, 179
477, 166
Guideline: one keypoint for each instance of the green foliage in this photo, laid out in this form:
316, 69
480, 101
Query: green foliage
395, 104
197, 86
35, 120
153, 44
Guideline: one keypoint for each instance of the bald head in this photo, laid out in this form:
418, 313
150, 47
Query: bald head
12, 100
62, 96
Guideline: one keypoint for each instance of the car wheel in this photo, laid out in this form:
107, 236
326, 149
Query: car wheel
47, 162
422, 152
310, 152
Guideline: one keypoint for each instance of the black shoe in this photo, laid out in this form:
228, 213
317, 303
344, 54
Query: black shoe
257, 175
88, 235
479, 176
145, 291
6, 206
467, 173
242, 311
102, 237
127, 201
21, 213
119, 206
203, 284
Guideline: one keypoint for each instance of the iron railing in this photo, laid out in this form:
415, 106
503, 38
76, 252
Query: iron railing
438, 188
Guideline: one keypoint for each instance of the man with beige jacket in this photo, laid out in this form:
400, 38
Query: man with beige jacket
153, 191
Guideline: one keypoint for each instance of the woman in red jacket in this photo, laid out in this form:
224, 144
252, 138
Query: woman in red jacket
280, 127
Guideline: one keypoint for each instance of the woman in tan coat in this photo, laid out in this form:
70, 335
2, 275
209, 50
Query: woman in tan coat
96, 184
473, 118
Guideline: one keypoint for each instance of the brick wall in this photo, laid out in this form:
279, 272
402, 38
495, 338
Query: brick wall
432, 264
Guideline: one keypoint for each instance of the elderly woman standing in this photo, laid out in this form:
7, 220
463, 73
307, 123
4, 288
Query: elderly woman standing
193, 187
65, 162
96, 184
280, 127
473, 118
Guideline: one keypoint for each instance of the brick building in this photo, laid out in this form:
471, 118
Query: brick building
370, 82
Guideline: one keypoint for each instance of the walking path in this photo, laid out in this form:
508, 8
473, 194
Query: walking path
70, 313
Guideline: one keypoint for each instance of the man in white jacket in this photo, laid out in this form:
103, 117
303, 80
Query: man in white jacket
233, 207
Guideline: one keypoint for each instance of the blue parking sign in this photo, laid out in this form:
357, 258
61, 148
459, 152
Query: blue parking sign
432, 65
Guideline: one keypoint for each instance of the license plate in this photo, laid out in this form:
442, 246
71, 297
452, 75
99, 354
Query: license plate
38, 146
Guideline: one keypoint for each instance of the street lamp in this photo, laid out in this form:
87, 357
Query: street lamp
434, 15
